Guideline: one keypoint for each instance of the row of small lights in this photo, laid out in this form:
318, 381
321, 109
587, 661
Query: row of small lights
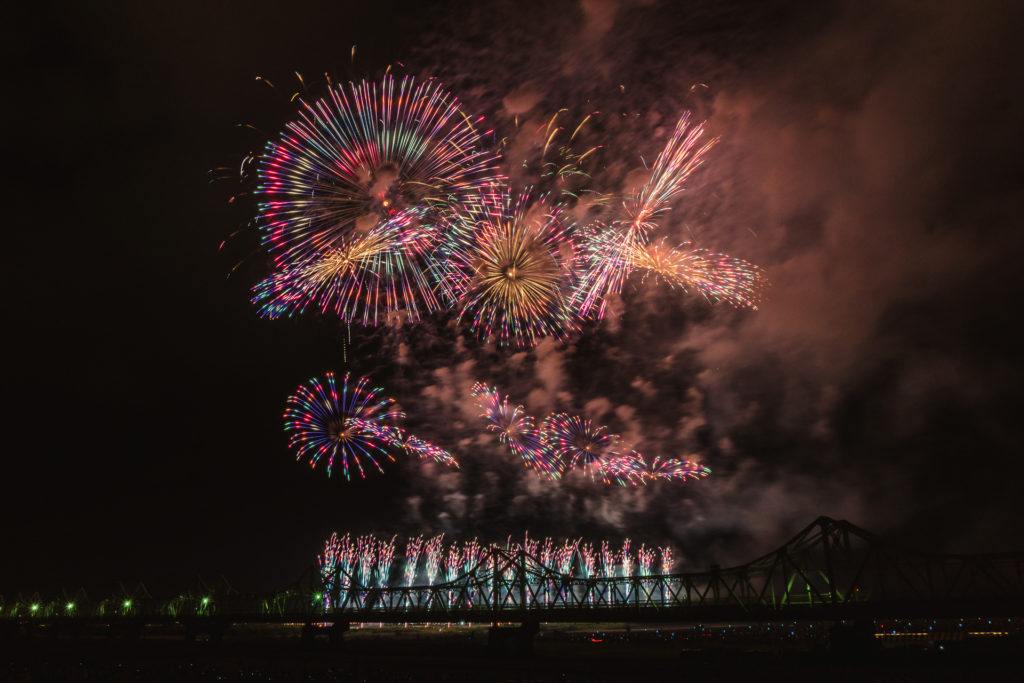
127, 604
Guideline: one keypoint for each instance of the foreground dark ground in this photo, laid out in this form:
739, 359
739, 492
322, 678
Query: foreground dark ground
909, 652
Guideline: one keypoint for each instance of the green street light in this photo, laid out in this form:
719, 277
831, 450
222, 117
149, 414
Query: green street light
70, 606
34, 607
127, 604
316, 596
206, 601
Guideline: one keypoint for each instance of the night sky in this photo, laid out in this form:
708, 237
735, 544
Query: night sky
870, 161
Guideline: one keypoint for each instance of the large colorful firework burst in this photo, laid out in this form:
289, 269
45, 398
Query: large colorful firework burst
612, 252
353, 426
350, 178
578, 442
508, 264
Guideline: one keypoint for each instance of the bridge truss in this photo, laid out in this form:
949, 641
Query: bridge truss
830, 570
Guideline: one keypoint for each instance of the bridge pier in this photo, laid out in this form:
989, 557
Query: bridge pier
213, 629
853, 639
335, 632
512, 641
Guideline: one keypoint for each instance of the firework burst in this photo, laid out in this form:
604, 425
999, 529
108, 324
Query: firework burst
515, 429
675, 469
351, 190
716, 277
627, 469
349, 426
578, 442
354, 426
683, 154
507, 265
367, 278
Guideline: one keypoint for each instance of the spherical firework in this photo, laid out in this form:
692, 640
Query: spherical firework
365, 156
350, 426
578, 442
717, 277
508, 265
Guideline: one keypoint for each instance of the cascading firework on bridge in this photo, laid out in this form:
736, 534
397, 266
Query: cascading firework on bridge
365, 570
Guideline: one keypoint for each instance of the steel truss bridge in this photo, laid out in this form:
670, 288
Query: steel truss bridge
831, 570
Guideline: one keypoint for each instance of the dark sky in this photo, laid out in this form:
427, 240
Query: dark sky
870, 162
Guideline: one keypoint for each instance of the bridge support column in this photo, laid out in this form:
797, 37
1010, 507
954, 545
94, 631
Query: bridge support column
213, 629
335, 632
853, 638
512, 641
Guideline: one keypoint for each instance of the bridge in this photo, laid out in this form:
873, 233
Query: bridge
831, 570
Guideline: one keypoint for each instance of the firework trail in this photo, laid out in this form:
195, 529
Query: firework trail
385, 558
369, 562
555, 161
350, 191
530, 545
425, 450
577, 442
645, 560
588, 559
515, 429
413, 550
564, 556
349, 426
330, 564
606, 255
627, 469
366, 554
674, 469
432, 553
667, 559
508, 265
612, 253
626, 560
716, 277
683, 154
